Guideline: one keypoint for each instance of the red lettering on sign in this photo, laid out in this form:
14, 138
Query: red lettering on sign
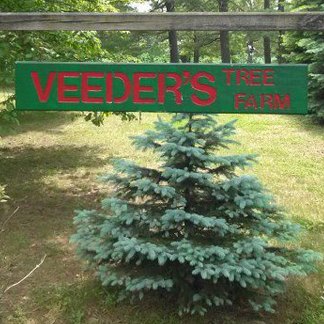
267, 77
285, 103
203, 88
244, 76
138, 88
266, 99
175, 88
62, 87
239, 99
254, 77
109, 87
251, 102
186, 75
161, 88
127, 85
43, 95
86, 88
229, 75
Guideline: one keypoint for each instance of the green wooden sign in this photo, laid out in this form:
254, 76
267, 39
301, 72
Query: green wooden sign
196, 88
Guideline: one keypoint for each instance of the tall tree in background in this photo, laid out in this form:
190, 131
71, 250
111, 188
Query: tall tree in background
249, 40
250, 48
308, 47
198, 44
281, 48
281, 5
169, 6
224, 35
196, 48
267, 39
173, 37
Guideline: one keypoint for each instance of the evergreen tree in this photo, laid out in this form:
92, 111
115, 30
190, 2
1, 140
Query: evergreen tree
308, 47
193, 227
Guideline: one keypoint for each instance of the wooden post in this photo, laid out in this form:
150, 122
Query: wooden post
172, 21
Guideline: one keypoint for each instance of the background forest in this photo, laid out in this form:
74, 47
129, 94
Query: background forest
50, 162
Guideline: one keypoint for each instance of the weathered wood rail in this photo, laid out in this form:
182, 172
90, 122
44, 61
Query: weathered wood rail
200, 21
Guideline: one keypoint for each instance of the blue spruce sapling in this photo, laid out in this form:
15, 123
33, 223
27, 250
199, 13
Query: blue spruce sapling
193, 227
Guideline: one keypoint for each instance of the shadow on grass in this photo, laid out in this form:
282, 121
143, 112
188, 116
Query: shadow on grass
48, 183
306, 123
47, 122
89, 300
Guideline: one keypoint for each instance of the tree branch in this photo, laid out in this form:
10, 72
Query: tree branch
28, 275
3, 225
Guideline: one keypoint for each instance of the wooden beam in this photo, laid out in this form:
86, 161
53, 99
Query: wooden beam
265, 21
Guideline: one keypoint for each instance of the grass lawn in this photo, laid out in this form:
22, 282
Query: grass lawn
51, 165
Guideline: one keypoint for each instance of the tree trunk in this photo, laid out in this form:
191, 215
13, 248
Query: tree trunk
250, 50
184, 59
196, 49
224, 36
196, 55
267, 39
281, 5
281, 50
173, 37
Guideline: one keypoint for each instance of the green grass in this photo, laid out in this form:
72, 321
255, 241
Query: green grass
51, 165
